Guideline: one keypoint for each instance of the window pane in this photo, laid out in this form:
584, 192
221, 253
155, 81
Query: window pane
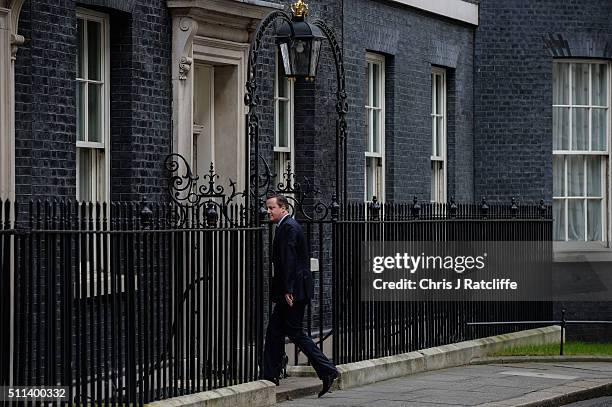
366, 91
80, 110
376, 131
575, 219
368, 145
558, 175
580, 128
283, 128
594, 220
282, 83
575, 174
281, 160
437, 181
94, 50
599, 129
580, 86
594, 176
80, 50
559, 219
85, 174
370, 167
434, 144
561, 128
94, 112
439, 95
433, 93
439, 133
560, 84
378, 175
376, 85
600, 85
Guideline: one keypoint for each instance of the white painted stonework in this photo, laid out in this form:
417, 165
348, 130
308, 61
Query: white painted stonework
6, 139
9, 42
456, 9
215, 35
183, 31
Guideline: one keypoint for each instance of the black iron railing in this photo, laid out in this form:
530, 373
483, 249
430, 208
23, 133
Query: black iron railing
133, 302
6, 241
123, 306
369, 329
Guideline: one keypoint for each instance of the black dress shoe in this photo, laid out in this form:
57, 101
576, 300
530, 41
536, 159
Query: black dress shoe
327, 383
273, 380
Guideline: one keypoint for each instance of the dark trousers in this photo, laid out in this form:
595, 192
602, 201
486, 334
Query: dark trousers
288, 321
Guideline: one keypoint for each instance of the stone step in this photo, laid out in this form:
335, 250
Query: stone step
295, 387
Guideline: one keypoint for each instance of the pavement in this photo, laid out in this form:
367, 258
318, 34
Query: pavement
598, 402
491, 385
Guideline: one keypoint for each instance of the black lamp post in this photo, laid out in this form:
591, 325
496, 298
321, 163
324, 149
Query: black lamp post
299, 44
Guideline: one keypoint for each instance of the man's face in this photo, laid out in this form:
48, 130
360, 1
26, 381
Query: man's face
275, 212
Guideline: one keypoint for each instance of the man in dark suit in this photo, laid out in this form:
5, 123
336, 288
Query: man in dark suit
291, 289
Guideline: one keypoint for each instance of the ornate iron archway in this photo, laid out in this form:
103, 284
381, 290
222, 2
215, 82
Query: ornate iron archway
204, 195
252, 100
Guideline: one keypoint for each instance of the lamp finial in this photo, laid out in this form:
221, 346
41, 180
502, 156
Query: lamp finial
299, 9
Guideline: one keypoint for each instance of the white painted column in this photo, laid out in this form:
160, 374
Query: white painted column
7, 144
184, 29
9, 41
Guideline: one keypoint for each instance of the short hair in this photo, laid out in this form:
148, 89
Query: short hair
281, 200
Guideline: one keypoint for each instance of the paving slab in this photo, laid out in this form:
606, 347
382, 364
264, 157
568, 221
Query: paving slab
497, 385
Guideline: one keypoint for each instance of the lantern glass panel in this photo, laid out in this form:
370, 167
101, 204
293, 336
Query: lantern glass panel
284, 51
300, 61
316, 48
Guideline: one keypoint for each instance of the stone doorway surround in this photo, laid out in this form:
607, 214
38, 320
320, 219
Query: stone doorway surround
9, 42
213, 32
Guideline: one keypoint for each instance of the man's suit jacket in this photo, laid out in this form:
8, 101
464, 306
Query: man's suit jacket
291, 263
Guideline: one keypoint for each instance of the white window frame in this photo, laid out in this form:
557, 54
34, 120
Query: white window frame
379, 60
290, 124
565, 246
438, 156
101, 193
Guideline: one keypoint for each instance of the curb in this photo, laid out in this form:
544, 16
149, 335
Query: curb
540, 359
458, 354
558, 396
260, 393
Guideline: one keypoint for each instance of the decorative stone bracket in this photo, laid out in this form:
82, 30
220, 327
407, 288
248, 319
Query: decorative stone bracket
184, 67
183, 45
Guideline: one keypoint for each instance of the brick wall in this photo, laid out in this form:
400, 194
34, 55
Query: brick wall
513, 84
513, 113
45, 109
412, 41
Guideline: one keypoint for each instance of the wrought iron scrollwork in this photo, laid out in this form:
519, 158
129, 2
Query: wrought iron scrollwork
193, 198
302, 196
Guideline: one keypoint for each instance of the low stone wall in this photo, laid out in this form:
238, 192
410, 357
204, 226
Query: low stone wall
462, 353
261, 393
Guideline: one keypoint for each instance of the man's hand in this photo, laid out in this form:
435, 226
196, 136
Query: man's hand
289, 299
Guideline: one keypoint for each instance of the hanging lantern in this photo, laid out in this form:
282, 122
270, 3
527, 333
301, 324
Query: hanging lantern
299, 45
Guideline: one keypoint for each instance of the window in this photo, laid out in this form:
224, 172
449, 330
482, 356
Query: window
580, 150
438, 135
92, 107
283, 126
374, 131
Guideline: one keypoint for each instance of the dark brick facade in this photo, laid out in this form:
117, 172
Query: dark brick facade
515, 45
513, 88
412, 42
499, 78
140, 105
